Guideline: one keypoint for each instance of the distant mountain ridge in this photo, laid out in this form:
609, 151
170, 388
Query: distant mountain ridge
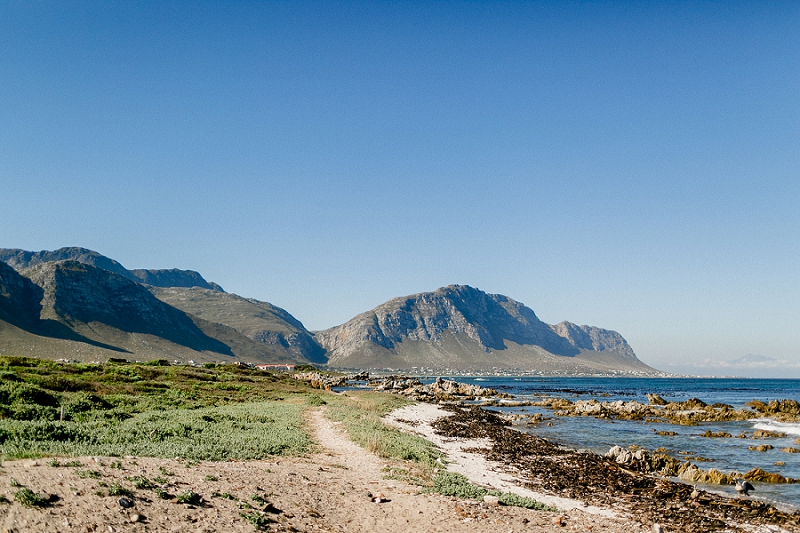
460, 327
20, 259
90, 306
77, 303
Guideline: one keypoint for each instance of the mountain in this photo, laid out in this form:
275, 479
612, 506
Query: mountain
79, 311
259, 321
459, 328
20, 259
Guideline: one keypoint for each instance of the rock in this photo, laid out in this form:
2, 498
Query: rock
782, 409
655, 399
718, 435
760, 448
560, 521
491, 500
126, 502
658, 528
790, 450
764, 433
135, 517
758, 474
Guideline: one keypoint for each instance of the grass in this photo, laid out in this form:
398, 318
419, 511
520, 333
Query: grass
361, 414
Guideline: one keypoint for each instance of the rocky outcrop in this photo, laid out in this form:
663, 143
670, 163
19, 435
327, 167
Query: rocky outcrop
786, 410
174, 277
641, 460
593, 338
691, 412
460, 327
21, 259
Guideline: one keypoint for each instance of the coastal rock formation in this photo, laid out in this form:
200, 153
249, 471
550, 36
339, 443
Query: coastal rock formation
461, 328
690, 412
641, 460
785, 410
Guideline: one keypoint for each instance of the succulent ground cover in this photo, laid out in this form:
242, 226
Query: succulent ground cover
215, 412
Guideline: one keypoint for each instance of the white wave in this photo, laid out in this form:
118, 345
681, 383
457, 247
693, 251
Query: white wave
790, 428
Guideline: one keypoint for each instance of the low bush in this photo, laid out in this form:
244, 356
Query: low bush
457, 485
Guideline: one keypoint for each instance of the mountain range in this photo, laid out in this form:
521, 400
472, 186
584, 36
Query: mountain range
75, 303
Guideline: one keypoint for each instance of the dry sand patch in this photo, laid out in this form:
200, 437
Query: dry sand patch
326, 491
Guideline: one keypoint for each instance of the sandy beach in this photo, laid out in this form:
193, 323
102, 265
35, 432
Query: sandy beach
333, 489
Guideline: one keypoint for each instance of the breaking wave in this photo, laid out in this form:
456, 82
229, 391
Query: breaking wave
790, 428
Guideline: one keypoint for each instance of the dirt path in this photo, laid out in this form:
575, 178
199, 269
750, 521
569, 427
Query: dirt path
326, 491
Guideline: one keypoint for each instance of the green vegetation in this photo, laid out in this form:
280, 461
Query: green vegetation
93, 474
189, 497
141, 482
361, 414
215, 412
118, 490
150, 409
28, 498
257, 520
454, 484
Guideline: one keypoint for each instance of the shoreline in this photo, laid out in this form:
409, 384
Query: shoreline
518, 462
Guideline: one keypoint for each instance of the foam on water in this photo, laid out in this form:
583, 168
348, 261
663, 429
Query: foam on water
774, 425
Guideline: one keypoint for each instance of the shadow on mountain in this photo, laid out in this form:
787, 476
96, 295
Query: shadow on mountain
525, 329
56, 330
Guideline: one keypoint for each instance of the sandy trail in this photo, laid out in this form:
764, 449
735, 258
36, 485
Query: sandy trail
326, 491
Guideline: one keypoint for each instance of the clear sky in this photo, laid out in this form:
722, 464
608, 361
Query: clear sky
629, 165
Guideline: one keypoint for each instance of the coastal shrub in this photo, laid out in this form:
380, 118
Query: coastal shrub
15, 392
454, 484
514, 500
238, 431
457, 485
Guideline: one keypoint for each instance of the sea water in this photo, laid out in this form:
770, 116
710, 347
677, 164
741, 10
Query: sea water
725, 454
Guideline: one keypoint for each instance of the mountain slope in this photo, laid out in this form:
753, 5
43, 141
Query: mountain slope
21, 259
78, 311
462, 328
261, 322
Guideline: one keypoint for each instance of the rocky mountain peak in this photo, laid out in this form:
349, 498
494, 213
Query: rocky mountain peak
21, 259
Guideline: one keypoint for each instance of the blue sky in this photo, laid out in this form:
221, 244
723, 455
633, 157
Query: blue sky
630, 165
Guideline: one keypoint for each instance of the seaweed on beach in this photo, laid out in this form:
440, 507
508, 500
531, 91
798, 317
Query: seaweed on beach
588, 477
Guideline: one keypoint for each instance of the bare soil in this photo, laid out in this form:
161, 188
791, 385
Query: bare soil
326, 491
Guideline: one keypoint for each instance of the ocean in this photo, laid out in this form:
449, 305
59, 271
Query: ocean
725, 454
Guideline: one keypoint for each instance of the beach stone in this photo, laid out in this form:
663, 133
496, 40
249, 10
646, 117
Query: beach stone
491, 500
135, 517
125, 502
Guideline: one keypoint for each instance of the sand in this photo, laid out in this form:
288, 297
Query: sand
324, 491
